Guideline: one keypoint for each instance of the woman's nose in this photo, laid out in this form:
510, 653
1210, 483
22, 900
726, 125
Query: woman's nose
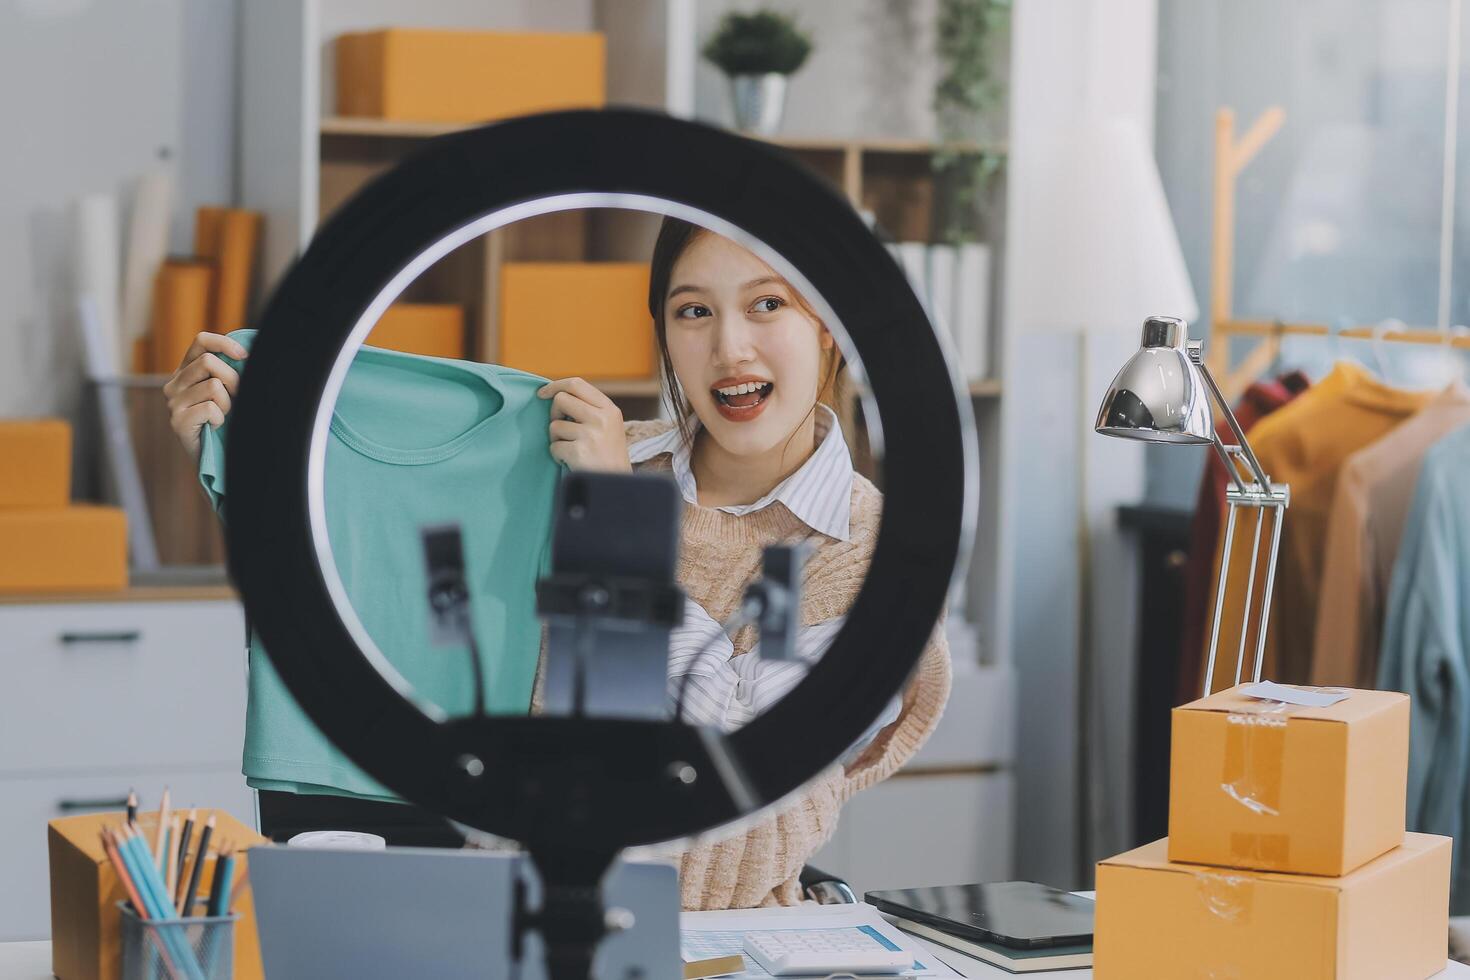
733, 342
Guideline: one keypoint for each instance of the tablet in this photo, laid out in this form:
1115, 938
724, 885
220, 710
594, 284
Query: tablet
1020, 914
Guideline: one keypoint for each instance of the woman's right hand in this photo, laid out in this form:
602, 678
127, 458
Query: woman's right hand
202, 389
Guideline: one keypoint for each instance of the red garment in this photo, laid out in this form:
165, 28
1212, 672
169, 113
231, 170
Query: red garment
1259, 400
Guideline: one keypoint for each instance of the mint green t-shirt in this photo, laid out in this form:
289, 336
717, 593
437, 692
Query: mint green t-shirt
415, 441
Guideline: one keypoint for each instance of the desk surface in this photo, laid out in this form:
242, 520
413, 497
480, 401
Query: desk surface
32, 961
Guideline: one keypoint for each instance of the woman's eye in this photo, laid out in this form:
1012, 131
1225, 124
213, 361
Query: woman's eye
768, 304
692, 311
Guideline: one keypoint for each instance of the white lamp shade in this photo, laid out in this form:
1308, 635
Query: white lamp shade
1113, 257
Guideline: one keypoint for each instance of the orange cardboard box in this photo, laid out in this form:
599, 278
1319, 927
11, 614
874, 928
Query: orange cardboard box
589, 319
1258, 784
1386, 921
63, 549
435, 329
86, 942
467, 76
36, 468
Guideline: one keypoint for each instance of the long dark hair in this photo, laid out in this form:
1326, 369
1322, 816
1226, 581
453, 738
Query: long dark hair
674, 236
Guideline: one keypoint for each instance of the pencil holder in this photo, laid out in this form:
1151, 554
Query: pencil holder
177, 949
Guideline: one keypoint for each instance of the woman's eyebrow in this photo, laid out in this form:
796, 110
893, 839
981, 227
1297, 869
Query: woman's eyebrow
762, 281
683, 289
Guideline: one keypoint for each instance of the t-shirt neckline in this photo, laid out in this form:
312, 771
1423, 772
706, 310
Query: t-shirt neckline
418, 456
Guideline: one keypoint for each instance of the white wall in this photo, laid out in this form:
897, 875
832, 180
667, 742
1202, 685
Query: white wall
91, 91
878, 53
1068, 58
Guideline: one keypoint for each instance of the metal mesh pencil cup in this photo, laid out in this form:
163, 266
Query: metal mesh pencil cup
201, 948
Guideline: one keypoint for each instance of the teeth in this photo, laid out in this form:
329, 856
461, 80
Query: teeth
743, 389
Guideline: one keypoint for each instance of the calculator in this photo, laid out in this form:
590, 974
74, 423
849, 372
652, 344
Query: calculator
819, 952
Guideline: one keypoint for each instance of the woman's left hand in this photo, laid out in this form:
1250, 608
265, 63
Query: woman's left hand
586, 427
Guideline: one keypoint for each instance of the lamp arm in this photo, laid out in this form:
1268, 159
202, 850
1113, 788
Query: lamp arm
1240, 439
1230, 465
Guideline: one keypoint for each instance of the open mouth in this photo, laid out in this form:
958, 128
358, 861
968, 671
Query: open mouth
742, 402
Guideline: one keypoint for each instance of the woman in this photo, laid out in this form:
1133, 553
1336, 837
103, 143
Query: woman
759, 460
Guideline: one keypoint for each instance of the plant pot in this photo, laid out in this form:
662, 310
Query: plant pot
759, 102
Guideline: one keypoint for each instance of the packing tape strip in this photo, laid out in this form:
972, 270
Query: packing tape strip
1255, 749
1230, 897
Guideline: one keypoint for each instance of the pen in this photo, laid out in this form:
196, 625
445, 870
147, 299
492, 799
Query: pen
132, 807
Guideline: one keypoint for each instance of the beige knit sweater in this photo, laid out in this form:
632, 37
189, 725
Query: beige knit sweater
719, 554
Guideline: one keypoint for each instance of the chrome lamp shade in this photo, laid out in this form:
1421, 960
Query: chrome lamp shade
1159, 395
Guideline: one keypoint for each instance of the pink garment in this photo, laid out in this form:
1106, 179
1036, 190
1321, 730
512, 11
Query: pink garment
1369, 507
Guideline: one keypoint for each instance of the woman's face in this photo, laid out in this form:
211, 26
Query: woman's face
747, 356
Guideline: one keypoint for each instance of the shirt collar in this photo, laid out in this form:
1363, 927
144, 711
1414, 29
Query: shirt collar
819, 493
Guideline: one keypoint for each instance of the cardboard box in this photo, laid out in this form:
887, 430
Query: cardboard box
467, 76
1386, 921
81, 548
435, 329
585, 319
1258, 784
36, 468
85, 940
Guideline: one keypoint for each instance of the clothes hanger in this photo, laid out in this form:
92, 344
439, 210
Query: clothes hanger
1375, 345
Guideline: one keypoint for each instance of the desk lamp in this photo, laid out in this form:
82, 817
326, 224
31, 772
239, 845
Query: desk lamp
1160, 396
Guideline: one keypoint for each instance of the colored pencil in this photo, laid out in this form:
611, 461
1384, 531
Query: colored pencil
184, 840
171, 860
145, 874
187, 906
158, 835
219, 895
132, 807
109, 844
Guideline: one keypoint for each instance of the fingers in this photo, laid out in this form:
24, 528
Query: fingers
216, 343
565, 404
203, 367
563, 430
188, 421
584, 390
210, 390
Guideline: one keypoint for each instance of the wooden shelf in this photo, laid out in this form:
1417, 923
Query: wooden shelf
401, 129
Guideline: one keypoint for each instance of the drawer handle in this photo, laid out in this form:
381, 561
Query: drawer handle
69, 806
117, 636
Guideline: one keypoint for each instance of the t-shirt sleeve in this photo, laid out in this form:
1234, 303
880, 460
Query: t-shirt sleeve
212, 466
212, 441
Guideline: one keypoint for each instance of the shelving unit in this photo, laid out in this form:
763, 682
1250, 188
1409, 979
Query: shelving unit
297, 163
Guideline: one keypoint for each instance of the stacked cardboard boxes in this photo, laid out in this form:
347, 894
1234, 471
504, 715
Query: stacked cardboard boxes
48, 544
1286, 855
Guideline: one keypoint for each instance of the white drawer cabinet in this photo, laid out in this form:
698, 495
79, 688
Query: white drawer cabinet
28, 803
102, 685
100, 696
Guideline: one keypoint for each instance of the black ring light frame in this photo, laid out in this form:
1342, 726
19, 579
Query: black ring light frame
589, 786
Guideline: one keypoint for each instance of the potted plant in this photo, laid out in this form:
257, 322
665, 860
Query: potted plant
757, 52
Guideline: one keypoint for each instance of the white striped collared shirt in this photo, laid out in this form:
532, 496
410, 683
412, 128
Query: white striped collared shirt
725, 691
819, 493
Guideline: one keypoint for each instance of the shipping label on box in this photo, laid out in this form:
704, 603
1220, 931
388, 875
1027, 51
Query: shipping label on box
1386, 921
1274, 786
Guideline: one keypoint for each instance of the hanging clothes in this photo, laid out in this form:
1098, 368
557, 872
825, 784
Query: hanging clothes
1365, 525
1259, 400
415, 441
1303, 444
1426, 649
